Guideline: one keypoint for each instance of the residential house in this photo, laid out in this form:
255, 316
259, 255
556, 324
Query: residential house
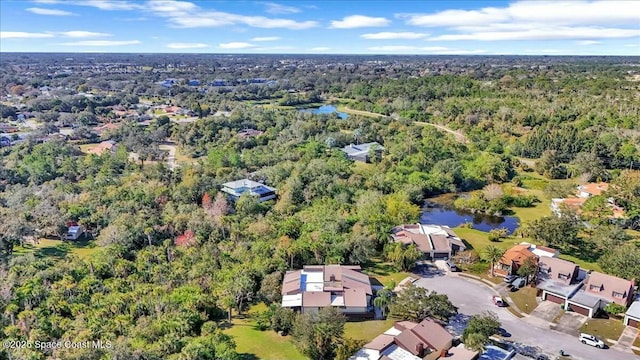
408, 340
572, 203
318, 286
512, 259
542, 251
247, 133
632, 316
592, 189
194, 82
109, 146
584, 192
236, 188
558, 279
435, 241
74, 232
361, 152
599, 290
106, 127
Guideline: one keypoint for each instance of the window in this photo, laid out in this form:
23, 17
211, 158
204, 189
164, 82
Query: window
595, 287
563, 276
618, 295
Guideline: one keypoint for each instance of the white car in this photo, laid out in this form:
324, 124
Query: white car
591, 340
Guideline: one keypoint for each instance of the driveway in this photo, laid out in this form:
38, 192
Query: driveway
547, 311
570, 323
472, 297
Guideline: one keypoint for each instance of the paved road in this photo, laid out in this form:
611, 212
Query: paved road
472, 297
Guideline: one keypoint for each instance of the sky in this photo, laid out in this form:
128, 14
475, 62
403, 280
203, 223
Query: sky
477, 27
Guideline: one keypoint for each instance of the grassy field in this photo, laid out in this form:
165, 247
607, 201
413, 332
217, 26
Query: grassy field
255, 344
524, 299
480, 239
603, 328
58, 249
367, 330
382, 273
86, 147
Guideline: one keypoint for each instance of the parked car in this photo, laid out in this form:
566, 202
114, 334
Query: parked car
509, 278
517, 284
497, 300
591, 340
452, 266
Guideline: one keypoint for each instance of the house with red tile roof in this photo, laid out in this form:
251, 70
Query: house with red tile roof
592, 189
512, 259
317, 286
104, 147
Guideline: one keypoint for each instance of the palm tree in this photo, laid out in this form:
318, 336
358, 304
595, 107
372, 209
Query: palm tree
492, 254
383, 299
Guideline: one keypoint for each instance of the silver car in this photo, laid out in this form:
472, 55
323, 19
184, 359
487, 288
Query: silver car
591, 340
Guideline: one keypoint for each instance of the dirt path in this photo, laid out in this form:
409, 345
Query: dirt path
460, 137
171, 159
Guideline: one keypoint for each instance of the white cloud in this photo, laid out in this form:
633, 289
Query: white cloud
320, 48
83, 34
187, 46
51, 12
184, 14
236, 45
23, 35
631, 45
394, 35
110, 5
102, 43
273, 8
359, 21
265, 38
556, 33
456, 17
536, 20
543, 12
436, 50
589, 42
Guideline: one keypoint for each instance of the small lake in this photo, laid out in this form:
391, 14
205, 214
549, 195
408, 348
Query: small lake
325, 110
434, 212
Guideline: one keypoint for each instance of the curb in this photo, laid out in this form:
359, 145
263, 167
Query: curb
491, 285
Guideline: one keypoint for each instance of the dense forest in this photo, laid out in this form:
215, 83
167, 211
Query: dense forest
174, 258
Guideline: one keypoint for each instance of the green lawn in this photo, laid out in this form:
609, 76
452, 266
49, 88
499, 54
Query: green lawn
480, 239
582, 263
524, 299
58, 249
367, 330
382, 273
86, 147
603, 328
252, 343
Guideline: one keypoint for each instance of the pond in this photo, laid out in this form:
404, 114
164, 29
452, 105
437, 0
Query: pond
437, 212
326, 109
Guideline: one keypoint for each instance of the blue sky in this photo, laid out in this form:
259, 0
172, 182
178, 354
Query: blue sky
337, 27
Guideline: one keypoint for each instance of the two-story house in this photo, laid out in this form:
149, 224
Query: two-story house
558, 279
317, 286
599, 290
